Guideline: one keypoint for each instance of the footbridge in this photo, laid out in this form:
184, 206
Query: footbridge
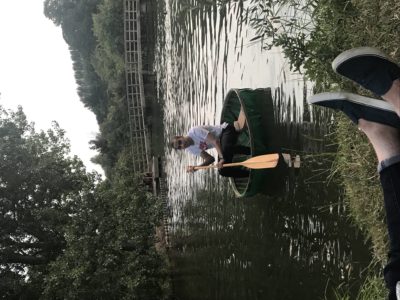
135, 95
134, 87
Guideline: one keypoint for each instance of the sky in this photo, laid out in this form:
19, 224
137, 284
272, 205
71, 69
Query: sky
36, 73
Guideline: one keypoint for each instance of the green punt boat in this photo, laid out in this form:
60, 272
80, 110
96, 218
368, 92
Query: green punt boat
258, 135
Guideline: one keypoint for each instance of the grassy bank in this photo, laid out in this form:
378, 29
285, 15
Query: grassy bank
341, 25
356, 167
337, 25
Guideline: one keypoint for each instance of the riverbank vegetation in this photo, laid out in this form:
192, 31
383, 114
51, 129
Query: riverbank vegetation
66, 233
326, 28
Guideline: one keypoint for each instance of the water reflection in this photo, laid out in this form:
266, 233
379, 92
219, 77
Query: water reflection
293, 245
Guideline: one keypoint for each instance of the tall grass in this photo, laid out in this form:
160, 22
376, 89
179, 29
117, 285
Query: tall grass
338, 25
357, 166
358, 23
372, 289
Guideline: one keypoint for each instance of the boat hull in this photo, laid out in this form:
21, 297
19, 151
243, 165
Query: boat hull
258, 108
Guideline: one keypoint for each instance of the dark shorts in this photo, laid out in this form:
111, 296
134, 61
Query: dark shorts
228, 140
390, 181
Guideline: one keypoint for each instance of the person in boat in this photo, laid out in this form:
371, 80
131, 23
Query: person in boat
223, 138
380, 122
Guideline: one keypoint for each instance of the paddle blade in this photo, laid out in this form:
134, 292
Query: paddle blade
263, 158
265, 161
262, 162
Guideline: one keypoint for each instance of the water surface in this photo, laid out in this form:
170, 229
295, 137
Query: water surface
294, 244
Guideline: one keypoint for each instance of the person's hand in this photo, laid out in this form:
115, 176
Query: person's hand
220, 163
190, 169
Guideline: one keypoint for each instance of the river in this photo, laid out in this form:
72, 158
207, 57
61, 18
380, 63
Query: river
296, 243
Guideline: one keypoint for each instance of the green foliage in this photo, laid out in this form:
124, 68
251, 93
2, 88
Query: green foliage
108, 29
339, 25
110, 252
312, 32
75, 19
56, 9
91, 89
343, 25
283, 23
94, 32
332, 18
114, 136
65, 235
373, 288
309, 32
40, 186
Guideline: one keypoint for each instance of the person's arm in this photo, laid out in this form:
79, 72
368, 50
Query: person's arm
207, 160
215, 141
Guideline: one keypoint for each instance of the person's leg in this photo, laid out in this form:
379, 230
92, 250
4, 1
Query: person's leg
393, 96
390, 180
381, 126
384, 139
386, 143
240, 123
228, 141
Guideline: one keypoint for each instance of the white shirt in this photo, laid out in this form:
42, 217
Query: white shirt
199, 134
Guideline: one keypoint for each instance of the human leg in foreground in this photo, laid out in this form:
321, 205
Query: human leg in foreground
381, 126
386, 143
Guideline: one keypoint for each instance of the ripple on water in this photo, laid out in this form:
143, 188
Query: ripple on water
245, 248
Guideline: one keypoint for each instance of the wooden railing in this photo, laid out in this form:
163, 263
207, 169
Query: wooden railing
134, 86
140, 146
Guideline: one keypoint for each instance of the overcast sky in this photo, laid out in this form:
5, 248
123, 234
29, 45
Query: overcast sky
36, 72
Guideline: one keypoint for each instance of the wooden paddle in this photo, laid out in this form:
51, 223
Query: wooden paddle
257, 162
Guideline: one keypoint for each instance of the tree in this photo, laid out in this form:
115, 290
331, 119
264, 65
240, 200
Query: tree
65, 234
110, 251
91, 89
75, 19
108, 59
40, 188
55, 9
94, 31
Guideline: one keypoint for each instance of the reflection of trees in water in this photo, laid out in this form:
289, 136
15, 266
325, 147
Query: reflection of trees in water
269, 247
256, 248
234, 253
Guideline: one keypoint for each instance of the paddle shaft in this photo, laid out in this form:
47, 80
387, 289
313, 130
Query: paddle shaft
216, 166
